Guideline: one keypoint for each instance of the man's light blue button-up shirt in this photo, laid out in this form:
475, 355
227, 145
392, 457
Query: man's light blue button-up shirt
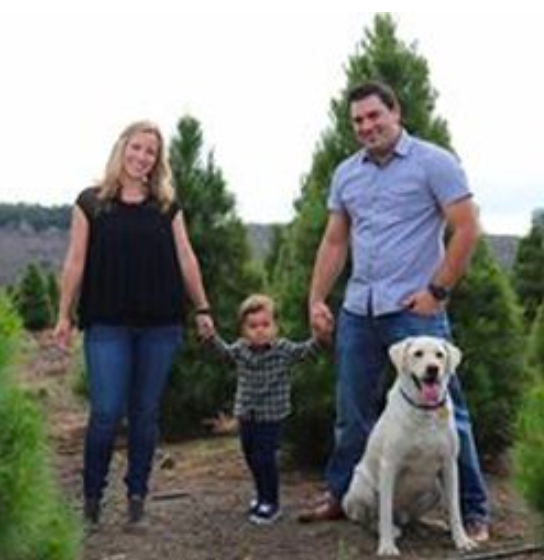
397, 220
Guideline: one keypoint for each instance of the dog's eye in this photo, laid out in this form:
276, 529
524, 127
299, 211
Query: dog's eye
418, 354
440, 355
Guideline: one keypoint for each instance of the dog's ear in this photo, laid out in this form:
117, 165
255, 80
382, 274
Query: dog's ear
397, 353
454, 356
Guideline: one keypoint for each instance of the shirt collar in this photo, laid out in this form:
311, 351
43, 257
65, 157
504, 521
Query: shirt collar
401, 149
258, 349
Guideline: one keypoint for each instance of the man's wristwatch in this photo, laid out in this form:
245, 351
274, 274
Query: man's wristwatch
439, 293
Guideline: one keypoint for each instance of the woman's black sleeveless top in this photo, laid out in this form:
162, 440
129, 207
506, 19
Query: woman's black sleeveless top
132, 275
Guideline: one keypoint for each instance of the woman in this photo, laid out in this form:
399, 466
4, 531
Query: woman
128, 263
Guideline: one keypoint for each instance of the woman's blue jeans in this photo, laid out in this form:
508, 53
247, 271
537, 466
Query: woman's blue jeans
127, 370
362, 356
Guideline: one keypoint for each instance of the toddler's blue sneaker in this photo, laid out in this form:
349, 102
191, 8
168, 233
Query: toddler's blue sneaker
265, 514
253, 505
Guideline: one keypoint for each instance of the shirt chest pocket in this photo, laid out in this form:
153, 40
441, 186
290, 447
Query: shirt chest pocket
405, 199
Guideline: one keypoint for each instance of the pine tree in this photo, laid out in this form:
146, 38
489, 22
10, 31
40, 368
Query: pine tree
200, 386
535, 348
379, 56
35, 520
488, 327
528, 450
528, 270
10, 328
32, 299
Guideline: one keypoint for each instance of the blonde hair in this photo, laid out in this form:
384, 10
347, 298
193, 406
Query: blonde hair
255, 303
159, 181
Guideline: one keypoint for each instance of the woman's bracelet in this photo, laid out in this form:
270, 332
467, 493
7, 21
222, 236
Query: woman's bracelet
203, 311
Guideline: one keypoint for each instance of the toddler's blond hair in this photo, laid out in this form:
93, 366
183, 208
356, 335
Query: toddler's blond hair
255, 303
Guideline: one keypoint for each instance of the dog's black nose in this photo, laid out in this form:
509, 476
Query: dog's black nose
431, 373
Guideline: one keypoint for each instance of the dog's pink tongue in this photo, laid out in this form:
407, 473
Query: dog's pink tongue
431, 392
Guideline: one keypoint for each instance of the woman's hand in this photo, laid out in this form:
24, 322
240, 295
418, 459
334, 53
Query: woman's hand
62, 333
205, 327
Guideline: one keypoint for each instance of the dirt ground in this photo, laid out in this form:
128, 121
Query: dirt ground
200, 491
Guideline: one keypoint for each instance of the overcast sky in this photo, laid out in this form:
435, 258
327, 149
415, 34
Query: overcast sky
260, 81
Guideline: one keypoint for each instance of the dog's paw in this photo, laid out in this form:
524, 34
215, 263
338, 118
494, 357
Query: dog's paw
388, 549
464, 543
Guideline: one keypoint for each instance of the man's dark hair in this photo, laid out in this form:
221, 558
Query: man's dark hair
379, 89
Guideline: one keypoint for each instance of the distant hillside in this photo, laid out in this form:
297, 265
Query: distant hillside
21, 243
36, 216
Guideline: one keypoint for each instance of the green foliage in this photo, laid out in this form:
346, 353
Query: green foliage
487, 326
33, 300
10, 328
53, 294
35, 523
309, 429
528, 453
528, 270
535, 349
199, 386
79, 379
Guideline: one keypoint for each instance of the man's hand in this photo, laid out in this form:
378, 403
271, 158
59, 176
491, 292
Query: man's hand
321, 321
423, 303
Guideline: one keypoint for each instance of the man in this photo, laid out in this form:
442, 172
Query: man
389, 206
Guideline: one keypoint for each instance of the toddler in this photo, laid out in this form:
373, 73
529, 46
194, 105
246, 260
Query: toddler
262, 362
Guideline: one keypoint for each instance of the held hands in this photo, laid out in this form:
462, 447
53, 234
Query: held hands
205, 327
321, 321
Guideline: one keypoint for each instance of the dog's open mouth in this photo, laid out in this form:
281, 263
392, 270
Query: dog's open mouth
431, 391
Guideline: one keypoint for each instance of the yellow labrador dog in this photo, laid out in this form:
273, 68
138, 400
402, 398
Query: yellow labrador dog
410, 461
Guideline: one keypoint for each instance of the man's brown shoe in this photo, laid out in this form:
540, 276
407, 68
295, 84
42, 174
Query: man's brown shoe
327, 510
